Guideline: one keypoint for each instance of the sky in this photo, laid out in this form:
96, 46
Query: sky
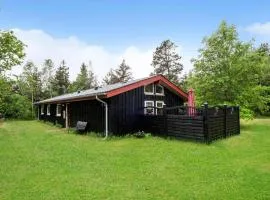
105, 32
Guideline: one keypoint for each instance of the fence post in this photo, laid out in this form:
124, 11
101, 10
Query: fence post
225, 120
205, 119
238, 118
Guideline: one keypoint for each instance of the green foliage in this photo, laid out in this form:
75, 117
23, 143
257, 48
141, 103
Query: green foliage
13, 105
61, 81
5, 92
30, 82
246, 114
122, 74
18, 107
110, 78
86, 79
166, 61
228, 71
11, 50
58, 165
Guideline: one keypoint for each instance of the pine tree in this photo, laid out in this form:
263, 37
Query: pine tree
120, 75
110, 78
123, 72
61, 80
86, 79
167, 62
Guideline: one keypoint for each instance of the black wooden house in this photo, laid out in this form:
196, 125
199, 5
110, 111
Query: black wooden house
115, 108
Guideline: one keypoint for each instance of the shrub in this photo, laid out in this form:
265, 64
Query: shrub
17, 106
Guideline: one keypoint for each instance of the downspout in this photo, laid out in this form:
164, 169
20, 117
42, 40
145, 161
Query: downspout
106, 116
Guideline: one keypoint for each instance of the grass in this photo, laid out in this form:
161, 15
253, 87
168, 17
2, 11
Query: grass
38, 161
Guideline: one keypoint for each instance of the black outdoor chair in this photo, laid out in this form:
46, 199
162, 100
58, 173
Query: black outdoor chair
81, 127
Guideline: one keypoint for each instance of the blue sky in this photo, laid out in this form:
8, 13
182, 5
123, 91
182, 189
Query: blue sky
117, 25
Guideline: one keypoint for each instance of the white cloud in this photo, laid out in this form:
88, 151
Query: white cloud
259, 28
41, 45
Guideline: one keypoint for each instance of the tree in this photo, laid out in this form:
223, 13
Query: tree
86, 79
11, 51
47, 78
31, 85
12, 104
264, 51
61, 80
110, 78
225, 72
184, 81
167, 62
123, 72
5, 92
92, 78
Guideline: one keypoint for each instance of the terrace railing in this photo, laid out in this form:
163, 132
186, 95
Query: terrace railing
204, 124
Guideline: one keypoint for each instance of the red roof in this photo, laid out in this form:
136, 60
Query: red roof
115, 89
158, 78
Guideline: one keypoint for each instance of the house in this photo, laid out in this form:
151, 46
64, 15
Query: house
113, 108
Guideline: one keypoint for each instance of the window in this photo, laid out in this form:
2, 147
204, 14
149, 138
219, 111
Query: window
48, 109
159, 90
149, 108
58, 109
149, 89
159, 106
42, 109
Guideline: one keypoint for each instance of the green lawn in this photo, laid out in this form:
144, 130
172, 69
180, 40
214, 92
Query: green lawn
38, 161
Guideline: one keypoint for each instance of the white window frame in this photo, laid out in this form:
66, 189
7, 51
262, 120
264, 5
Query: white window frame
145, 109
64, 114
159, 102
42, 109
149, 93
159, 107
48, 109
57, 111
161, 94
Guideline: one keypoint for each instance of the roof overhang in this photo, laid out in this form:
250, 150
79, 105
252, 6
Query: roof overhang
155, 79
159, 78
102, 96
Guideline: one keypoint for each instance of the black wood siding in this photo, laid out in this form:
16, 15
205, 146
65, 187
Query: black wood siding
126, 109
91, 111
169, 98
52, 117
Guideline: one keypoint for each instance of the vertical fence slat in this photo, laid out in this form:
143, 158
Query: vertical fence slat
206, 125
205, 116
238, 118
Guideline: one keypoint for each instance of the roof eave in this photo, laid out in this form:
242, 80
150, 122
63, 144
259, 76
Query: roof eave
83, 98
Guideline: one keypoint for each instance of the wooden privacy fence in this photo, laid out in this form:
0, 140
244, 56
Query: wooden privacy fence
204, 124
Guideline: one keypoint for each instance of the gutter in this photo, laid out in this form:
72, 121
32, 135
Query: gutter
106, 116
